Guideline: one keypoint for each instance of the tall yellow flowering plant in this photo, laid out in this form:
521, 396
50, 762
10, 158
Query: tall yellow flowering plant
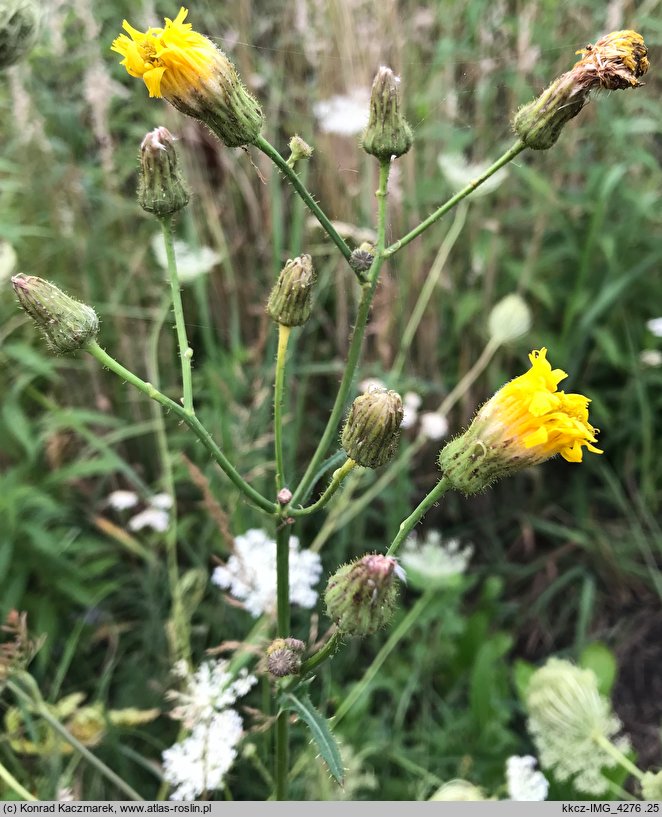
525, 423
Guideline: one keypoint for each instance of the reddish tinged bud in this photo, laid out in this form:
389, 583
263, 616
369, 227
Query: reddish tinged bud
361, 596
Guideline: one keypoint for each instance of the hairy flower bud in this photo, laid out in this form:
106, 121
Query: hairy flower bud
290, 302
299, 150
388, 133
372, 429
362, 257
194, 76
67, 324
161, 190
284, 656
19, 27
361, 596
616, 61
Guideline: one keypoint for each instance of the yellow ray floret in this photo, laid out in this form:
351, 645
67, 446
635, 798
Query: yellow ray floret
172, 61
531, 411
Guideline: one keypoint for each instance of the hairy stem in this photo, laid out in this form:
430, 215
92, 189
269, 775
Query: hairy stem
283, 337
417, 514
283, 630
185, 351
510, 154
289, 172
338, 476
191, 421
368, 291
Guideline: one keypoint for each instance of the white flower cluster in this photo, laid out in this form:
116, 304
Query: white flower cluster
524, 783
192, 262
344, 114
431, 562
155, 516
432, 425
199, 762
571, 723
250, 573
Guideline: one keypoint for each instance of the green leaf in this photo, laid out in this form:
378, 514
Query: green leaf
319, 728
522, 673
600, 659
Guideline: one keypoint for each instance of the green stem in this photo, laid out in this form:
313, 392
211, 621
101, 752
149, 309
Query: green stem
368, 291
7, 777
83, 751
181, 636
338, 476
283, 337
185, 351
326, 651
510, 154
283, 630
270, 151
428, 287
415, 516
191, 421
618, 756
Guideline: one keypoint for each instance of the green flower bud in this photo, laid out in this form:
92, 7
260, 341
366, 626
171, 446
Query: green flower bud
388, 133
284, 656
290, 302
299, 150
67, 324
458, 790
372, 430
361, 596
19, 27
161, 190
509, 319
651, 786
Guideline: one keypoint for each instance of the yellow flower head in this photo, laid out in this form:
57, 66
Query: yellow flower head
187, 70
526, 422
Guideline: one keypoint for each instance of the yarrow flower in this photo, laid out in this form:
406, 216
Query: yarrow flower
573, 726
524, 783
250, 573
432, 562
526, 422
194, 76
200, 761
210, 689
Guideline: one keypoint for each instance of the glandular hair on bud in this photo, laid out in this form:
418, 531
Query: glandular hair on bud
290, 302
388, 133
67, 324
361, 596
19, 28
372, 429
284, 657
161, 189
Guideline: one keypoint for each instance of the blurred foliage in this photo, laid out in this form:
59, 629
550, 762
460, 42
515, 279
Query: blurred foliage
565, 554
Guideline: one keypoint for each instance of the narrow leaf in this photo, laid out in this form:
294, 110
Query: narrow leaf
319, 728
